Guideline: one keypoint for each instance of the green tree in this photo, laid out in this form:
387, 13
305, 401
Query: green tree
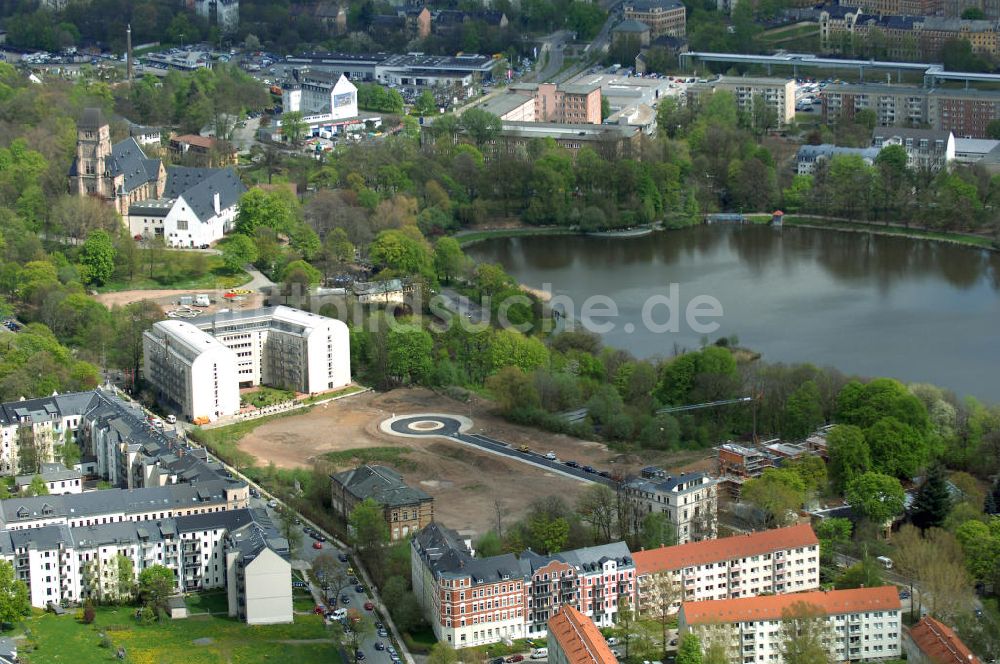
689, 650
125, 574
278, 210
803, 412
513, 390
849, 454
862, 574
156, 584
489, 545
98, 257
804, 634
812, 470
38, 487
832, 533
993, 129
897, 449
238, 251
369, 531
933, 501
877, 497
409, 358
657, 530
14, 600
598, 506
289, 528
981, 545
449, 260
482, 126
292, 126
401, 253
778, 493
442, 653
550, 534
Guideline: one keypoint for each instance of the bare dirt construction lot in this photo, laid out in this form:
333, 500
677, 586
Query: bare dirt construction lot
168, 299
464, 481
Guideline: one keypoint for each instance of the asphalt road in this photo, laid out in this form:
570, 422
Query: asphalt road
450, 428
308, 554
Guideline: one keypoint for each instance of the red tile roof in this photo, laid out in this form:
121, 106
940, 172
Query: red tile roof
940, 644
727, 548
831, 602
206, 142
579, 638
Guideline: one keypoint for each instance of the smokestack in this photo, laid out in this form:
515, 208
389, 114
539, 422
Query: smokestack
128, 53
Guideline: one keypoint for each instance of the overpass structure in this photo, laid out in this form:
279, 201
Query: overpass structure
932, 73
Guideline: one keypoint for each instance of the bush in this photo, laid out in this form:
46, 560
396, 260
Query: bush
146, 615
89, 614
106, 641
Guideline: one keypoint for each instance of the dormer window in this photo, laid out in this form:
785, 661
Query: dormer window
47, 509
22, 513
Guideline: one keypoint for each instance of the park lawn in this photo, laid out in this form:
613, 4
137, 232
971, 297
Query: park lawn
366, 455
63, 639
302, 600
208, 602
188, 270
350, 389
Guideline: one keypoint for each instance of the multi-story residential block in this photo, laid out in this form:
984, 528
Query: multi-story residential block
932, 642
574, 639
321, 92
862, 624
904, 36
547, 102
689, 500
199, 368
405, 508
474, 601
810, 156
58, 479
258, 576
896, 7
191, 370
664, 17
777, 94
784, 560
34, 428
926, 149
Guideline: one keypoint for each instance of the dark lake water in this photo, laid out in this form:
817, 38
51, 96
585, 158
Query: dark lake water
873, 306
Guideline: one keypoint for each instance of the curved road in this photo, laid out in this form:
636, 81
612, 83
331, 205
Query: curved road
454, 428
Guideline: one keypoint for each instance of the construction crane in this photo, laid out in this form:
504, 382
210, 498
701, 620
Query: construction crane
707, 404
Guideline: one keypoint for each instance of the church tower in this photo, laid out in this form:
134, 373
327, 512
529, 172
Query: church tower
93, 151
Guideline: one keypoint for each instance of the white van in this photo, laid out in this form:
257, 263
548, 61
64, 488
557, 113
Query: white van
539, 653
172, 418
885, 562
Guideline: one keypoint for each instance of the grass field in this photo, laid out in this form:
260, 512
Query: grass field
181, 270
196, 640
351, 389
210, 602
363, 455
263, 397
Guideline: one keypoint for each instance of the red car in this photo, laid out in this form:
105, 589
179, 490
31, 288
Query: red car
320, 610
317, 545
369, 606
515, 658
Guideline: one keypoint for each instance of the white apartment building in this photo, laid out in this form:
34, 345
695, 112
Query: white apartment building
58, 479
259, 578
779, 561
322, 92
191, 370
863, 624
44, 424
284, 347
926, 149
778, 94
689, 500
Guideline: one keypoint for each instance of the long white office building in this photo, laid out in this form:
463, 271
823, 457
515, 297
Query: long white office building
772, 562
862, 624
199, 367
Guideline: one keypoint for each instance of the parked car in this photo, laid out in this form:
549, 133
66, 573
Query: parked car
572, 464
342, 557
344, 599
359, 588
612, 641
515, 658
904, 594
317, 545
379, 645
358, 655
498, 660
379, 625
353, 580
588, 469
382, 633
551, 456
319, 610
369, 606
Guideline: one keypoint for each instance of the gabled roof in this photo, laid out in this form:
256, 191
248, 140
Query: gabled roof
772, 607
382, 484
726, 548
940, 644
579, 638
631, 25
128, 159
198, 186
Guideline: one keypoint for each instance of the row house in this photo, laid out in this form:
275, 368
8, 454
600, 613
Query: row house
861, 624
473, 601
779, 561
66, 565
689, 500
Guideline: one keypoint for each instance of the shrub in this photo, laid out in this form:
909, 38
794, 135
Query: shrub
89, 614
106, 641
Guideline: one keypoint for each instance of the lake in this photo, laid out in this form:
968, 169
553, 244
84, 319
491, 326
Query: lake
868, 305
